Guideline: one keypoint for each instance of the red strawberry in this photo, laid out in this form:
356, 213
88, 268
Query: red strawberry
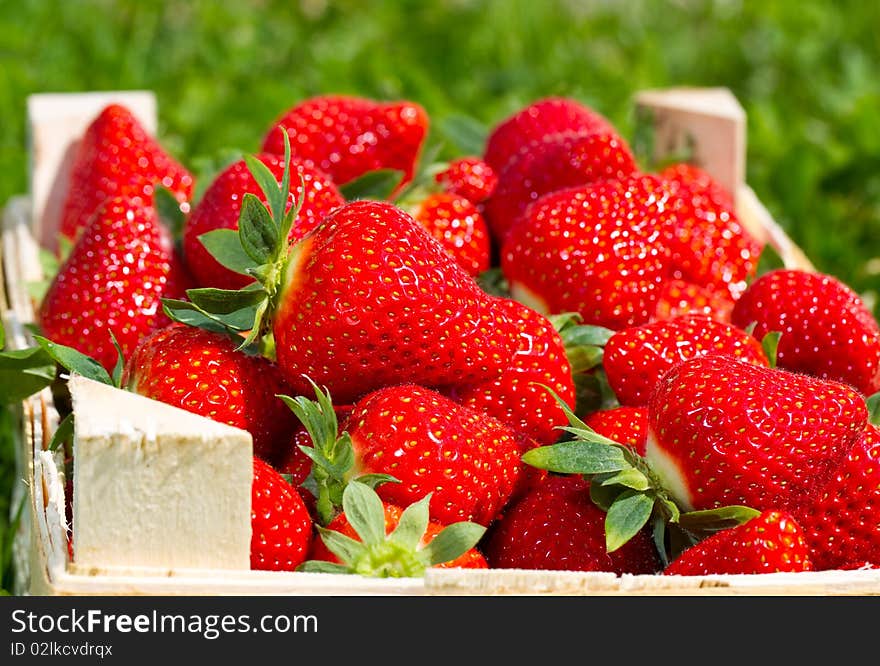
556, 162
598, 250
113, 280
458, 226
348, 136
202, 372
469, 460
769, 543
469, 177
699, 180
117, 157
516, 397
727, 432
472, 559
637, 357
678, 298
220, 205
627, 425
827, 330
842, 520
371, 299
535, 121
709, 245
280, 523
557, 526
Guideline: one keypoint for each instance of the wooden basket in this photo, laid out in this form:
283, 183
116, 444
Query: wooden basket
709, 121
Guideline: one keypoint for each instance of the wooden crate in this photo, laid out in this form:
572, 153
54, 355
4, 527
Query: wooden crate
709, 121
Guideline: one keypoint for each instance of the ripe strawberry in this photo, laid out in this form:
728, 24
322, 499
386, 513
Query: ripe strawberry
535, 121
202, 372
678, 298
469, 177
842, 520
458, 226
469, 460
371, 299
557, 526
699, 180
280, 523
727, 432
471, 559
627, 425
769, 543
598, 250
516, 397
113, 280
637, 357
348, 136
117, 157
709, 245
220, 205
827, 331
557, 162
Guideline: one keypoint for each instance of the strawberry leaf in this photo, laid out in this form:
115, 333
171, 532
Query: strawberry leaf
257, 231
376, 185
116, 375
266, 180
412, 524
584, 358
63, 432
629, 478
603, 496
873, 403
187, 312
712, 520
627, 515
453, 542
365, 513
493, 282
226, 301
770, 344
169, 210
577, 457
376, 480
75, 361
344, 547
24, 372
319, 566
225, 246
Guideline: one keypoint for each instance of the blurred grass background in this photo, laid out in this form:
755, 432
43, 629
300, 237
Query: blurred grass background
806, 73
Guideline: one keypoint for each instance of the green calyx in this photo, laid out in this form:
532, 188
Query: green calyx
395, 555
331, 453
585, 349
258, 249
623, 485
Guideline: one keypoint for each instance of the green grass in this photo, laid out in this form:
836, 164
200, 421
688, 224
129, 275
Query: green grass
805, 72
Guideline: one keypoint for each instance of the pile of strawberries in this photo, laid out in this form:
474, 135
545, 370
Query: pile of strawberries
544, 356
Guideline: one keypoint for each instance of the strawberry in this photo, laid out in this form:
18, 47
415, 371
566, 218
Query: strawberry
637, 357
469, 177
471, 559
112, 282
420, 438
727, 432
842, 520
556, 162
516, 397
292, 460
627, 425
373, 538
709, 245
281, 528
598, 250
535, 121
347, 136
371, 299
771, 542
117, 157
458, 226
699, 180
220, 206
557, 526
678, 297
827, 330
203, 372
